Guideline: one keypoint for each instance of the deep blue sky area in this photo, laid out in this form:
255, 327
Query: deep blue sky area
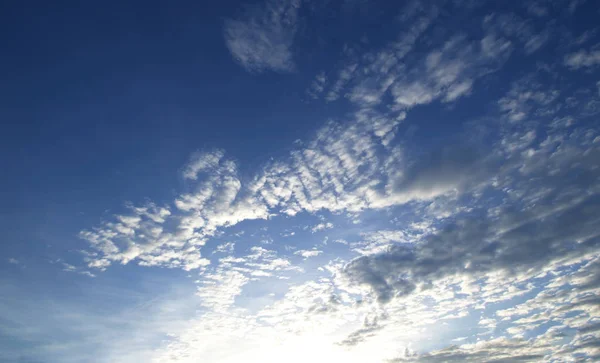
97, 97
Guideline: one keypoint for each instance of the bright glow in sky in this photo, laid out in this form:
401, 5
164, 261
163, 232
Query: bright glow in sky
301, 181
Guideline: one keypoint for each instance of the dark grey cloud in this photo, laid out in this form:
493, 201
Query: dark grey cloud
555, 216
477, 245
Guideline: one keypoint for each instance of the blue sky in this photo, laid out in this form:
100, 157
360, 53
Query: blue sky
357, 181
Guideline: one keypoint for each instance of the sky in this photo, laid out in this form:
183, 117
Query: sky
300, 181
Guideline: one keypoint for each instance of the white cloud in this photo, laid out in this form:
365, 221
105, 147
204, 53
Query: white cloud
262, 38
344, 76
379, 241
449, 71
446, 73
308, 253
218, 290
321, 227
202, 162
582, 59
225, 248
528, 98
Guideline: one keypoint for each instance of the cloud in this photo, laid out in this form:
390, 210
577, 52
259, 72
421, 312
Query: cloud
344, 76
496, 350
202, 162
565, 301
218, 290
447, 71
67, 267
529, 98
308, 253
172, 237
262, 38
225, 248
366, 80
379, 241
318, 85
321, 227
539, 218
518, 29
346, 167
494, 229
582, 59
519, 239
536, 42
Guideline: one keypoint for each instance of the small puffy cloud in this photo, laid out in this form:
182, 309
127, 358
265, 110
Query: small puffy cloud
321, 227
225, 248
